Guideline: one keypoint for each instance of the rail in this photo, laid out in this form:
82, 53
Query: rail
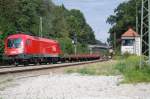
42, 67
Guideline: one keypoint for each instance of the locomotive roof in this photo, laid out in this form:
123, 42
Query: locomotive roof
32, 37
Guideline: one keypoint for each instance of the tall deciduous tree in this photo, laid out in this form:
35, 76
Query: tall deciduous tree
124, 17
57, 22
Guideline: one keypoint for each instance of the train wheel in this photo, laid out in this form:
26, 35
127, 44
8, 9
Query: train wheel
36, 63
16, 63
9, 62
25, 63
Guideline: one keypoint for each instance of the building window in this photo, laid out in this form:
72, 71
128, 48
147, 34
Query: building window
128, 42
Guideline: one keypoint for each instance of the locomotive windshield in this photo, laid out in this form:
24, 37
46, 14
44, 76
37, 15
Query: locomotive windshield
14, 43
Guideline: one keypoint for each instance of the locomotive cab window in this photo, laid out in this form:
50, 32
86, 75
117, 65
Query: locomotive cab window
14, 43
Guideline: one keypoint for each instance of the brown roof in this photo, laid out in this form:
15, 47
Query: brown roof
130, 33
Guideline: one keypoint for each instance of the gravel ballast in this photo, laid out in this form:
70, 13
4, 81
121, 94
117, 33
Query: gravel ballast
74, 86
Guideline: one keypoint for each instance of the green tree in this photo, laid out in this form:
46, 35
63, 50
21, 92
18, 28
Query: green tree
123, 18
58, 22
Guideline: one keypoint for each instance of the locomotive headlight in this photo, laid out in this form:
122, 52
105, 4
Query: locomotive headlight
5, 51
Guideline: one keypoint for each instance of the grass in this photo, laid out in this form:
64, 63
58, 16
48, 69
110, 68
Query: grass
102, 68
129, 67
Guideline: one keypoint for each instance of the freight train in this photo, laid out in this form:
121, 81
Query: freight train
25, 49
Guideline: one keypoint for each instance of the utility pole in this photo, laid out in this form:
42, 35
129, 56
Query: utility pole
149, 26
114, 41
75, 43
145, 30
40, 27
137, 22
141, 45
40, 32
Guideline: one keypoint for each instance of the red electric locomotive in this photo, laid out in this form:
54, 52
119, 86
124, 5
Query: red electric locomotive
22, 48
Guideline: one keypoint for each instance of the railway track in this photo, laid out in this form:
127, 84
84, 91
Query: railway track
10, 69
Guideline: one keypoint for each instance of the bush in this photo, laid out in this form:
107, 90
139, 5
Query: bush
66, 45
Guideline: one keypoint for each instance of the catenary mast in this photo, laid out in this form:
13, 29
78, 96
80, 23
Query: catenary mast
145, 30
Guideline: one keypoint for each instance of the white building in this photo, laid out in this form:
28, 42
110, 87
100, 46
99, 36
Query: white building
131, 42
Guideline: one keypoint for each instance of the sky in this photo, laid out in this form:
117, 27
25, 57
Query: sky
95, 12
